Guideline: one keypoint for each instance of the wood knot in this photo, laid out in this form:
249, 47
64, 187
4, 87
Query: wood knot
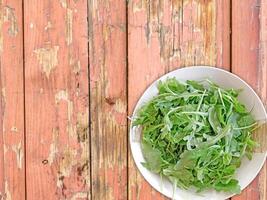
110, 100
45, 162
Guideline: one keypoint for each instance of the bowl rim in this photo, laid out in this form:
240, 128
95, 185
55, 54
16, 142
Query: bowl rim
204, 67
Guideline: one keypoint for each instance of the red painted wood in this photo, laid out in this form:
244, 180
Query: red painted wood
107, 40
57, 99
164, 35
223, 32
12, 173
248, 53
2, 173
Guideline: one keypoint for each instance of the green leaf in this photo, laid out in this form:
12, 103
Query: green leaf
246, 121
239, 107
213, 120
220, 114
232, 186
195, 85
152, 157
196, 135
227, 159
171, 86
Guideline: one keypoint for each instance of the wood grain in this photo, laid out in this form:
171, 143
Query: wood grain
164, 35
262, 83
223, 34
12, 168
107, 41
57, 99
248, 61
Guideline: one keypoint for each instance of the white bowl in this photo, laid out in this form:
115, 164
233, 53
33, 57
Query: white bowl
248, 170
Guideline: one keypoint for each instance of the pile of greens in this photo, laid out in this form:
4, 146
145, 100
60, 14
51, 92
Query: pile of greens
195, 134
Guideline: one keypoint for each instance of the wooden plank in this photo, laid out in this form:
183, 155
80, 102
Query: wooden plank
2, 173
164, 35
57, 99
223, 19
12, 168
107, 41
248, 61
263, 53
263, 85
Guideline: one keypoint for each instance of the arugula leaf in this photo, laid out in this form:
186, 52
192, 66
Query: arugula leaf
232, 186
246, 121
195, 84
152, 156
239, 107
213, 120
196, 135
171, 86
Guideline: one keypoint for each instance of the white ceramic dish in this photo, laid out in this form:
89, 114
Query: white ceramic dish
248, 170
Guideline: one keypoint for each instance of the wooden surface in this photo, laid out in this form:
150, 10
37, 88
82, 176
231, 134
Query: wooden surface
108, 101
56, 100
248, 61
163, 36
12, 166
71, 72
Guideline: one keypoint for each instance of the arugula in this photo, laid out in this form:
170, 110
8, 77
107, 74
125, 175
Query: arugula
196, 134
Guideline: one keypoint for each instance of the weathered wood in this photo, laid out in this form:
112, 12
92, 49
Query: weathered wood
107, 41
164, 35
2, 172
248, 61
57, 99
263, 54
12, 166
223, 26
263, 85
